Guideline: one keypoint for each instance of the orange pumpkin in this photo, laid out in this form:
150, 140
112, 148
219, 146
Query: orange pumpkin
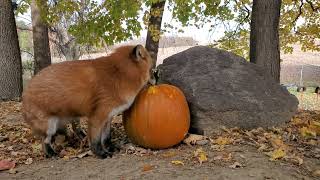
159, 117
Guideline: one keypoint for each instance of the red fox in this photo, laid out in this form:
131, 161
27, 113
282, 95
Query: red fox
97, 89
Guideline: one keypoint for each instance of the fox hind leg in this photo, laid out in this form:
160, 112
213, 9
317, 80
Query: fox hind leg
51, 131
76, 127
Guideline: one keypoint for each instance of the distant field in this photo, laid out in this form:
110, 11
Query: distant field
308, 99
290, 71
307, 62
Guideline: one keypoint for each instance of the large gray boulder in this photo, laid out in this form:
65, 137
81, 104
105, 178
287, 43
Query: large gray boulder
223, 89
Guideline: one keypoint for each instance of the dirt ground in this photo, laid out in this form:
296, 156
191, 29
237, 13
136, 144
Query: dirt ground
291, 152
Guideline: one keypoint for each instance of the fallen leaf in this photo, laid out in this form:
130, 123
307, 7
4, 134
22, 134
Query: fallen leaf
217, 147
148, 167
63, 153
224, 157
235, 165
66, 158
277, 143
306, 132
276, 130
262, 147
223, 141
71, 151
277, 154
248, 133
6, 164
201, 155
316, 173
193, 138
312, 142
217, 158
13, 171
14, 153
36, 148
10, 148
28, 161
177, 163
84, 154
227, 156
297, 121
169, 154
315, 126
202, 158
226, 129
300, 160
24, 140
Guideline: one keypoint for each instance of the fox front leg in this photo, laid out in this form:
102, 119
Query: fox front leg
99, 133
106, 139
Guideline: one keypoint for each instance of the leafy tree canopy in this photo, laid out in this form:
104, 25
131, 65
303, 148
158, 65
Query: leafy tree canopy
113, 21
299, 23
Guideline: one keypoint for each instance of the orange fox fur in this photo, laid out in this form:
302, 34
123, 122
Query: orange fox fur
97, 89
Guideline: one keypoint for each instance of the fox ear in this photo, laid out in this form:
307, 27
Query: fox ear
138, 53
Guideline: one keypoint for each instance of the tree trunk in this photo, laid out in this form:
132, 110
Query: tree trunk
42, 56
72, 52
10, 59
264, 36
154, 27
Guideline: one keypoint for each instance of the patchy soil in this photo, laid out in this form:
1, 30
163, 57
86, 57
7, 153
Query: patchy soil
290, 152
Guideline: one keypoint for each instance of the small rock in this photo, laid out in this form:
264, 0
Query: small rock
235, 165
202, 142
226, 90
28, 161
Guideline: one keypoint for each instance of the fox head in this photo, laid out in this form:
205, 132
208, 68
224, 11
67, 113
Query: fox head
139, 60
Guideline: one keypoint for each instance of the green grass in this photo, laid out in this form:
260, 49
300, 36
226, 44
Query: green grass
307, 99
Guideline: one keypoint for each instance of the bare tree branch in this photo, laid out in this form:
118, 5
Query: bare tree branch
312, 6
25, 51
300, 12
24, 28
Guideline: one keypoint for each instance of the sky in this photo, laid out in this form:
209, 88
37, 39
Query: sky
202, 35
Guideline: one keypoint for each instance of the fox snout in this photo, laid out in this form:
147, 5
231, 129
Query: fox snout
154, 76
